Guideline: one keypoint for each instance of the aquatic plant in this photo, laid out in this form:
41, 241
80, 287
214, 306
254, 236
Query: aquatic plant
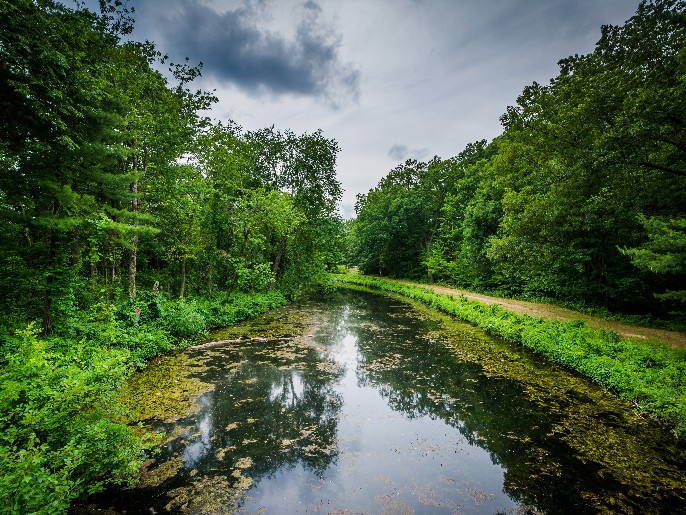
650, 375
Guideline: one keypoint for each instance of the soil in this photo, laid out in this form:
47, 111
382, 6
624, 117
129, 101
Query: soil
552, 312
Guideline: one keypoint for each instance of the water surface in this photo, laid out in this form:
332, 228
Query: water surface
362, 403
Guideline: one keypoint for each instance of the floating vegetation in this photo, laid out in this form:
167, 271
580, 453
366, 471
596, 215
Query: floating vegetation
154, 474
165, 389
442, 416
208, 495
392, 505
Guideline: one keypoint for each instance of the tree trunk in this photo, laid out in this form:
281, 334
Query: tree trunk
428, 267
133, 255
209, 279
50, 278
182, 290
133, 264
277, 260
47, 304
232, 284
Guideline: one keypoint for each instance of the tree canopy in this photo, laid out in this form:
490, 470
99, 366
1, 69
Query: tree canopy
581, 198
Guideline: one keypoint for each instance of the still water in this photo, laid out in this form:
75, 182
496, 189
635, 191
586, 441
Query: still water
362, 403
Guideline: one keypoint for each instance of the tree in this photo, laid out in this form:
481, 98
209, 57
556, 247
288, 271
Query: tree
470, 213
398, 219
664, 253
585, 156
160, 126
303, 166
58, 135
179, 199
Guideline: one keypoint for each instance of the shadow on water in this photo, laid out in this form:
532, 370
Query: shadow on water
363, 403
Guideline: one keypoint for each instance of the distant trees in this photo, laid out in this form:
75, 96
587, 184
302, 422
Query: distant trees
583, 195
394, 228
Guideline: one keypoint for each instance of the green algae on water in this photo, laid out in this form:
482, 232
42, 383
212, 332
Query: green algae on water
165, 390
209, 495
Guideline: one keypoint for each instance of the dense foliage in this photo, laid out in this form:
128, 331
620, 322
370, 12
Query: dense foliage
652, 376
129, 223
582, 198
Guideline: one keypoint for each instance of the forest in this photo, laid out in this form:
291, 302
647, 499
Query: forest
130, 223
581, 199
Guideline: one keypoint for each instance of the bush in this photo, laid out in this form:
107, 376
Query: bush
64, 433
222, 311
145, 342
28, 485
184, 320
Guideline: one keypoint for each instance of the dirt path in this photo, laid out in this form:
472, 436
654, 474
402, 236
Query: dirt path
550, 312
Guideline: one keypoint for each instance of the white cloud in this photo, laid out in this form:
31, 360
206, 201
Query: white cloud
428, 76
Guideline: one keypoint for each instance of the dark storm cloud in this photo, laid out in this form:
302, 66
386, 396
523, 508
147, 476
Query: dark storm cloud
235, 47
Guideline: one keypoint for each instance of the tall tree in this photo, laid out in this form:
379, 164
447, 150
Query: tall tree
59, 114
470, 215
160, 126
583, 157
398, 220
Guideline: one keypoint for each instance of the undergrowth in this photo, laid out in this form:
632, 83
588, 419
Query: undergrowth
650, 375
63, 433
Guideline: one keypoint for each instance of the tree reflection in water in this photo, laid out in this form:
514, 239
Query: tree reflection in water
390, 408
565, 445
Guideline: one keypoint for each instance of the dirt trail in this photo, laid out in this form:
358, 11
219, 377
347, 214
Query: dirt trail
550, 312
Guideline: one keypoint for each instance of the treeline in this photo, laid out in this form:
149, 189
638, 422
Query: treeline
582, 198
112, 181
129, 222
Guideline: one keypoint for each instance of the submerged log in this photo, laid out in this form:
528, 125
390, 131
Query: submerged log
240, 340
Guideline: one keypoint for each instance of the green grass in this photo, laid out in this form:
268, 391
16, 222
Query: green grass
650, 375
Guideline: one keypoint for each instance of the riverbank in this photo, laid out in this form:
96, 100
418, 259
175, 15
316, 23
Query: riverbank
648, 373
66, 432
552, 312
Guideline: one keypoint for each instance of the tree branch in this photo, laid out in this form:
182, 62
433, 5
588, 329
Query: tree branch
667, 169
241, 340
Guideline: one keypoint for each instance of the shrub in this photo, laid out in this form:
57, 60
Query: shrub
64, 433
183, 319
145, 342
222, 311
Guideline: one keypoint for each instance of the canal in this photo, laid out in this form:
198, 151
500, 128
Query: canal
362, 403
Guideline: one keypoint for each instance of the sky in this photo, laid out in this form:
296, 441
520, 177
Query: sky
389, 80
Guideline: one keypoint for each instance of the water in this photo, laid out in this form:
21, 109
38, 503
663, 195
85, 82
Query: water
361, 403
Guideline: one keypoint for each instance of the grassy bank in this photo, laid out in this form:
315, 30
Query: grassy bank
63, 431
649, 374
